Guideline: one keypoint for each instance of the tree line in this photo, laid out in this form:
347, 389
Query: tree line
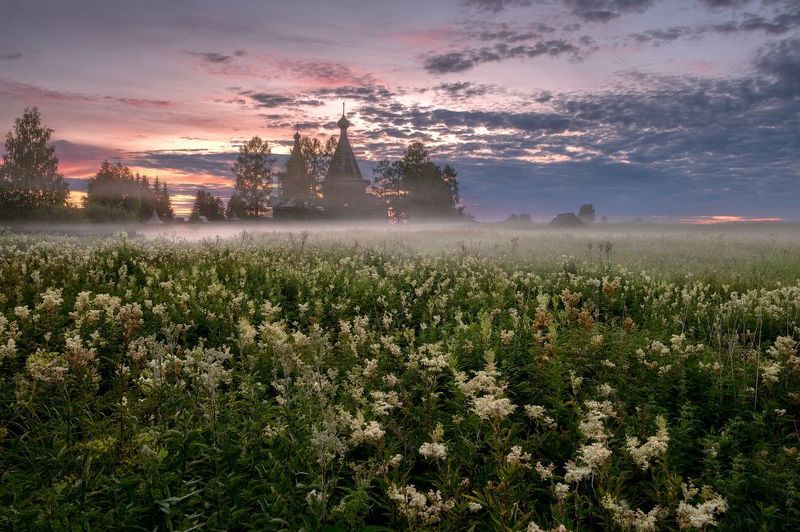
115, 193
31, 186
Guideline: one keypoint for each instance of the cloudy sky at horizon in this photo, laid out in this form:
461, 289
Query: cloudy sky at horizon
642, 107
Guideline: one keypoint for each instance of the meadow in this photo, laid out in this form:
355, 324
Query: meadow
472, 377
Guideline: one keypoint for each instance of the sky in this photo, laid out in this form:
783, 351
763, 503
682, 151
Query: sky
688, 109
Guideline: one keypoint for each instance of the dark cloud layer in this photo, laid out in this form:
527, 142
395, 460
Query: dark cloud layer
325, 72
464, 90
495, 6
781, 61
269, 100
504, 32
216, 57
462, 60
605, 10
777, 24
724, 3
186, 161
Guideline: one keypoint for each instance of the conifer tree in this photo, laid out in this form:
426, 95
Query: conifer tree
253, 172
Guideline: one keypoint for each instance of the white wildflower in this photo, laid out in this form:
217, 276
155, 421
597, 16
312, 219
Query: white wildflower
605, 389
47, 367
655, 446
517, 458
538, 413
627, 518
433, 451
9, 349
490, 407
594, 455
545, 472
703, 514
771, 372
363, 431
561, 491
247, 333
383, 402
51, 300
416, 506
574, 473
370, 368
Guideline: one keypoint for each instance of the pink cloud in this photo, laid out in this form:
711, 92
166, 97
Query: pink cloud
27, 92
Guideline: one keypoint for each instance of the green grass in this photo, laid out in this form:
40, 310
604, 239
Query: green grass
287, 381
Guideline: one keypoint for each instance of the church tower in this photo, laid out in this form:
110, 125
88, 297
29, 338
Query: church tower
345, 190
297, 184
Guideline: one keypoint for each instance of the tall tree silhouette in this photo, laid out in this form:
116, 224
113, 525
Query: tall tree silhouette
317, 155
205, 204
416, 187
235, 208
29, 178
164, 203
108, 192
253, 172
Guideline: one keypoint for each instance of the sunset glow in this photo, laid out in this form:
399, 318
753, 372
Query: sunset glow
707, 220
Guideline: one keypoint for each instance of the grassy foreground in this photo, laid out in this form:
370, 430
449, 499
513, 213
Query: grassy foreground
284, 383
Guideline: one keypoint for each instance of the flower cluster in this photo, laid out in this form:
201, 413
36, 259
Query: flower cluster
655, 447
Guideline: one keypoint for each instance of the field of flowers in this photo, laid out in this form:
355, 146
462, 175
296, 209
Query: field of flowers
293, 381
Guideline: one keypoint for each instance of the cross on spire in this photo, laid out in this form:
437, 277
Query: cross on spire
343, 122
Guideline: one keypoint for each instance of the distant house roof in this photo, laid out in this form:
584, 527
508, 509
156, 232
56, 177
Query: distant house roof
566, 219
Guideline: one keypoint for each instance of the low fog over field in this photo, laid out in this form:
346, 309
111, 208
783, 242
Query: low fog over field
676, 248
